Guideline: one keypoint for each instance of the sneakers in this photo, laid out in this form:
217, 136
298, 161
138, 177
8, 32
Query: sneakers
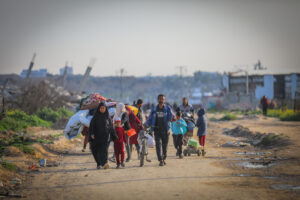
128, 160
181, 156
161, 163
164, 162
106, 166
177, 154
122, 164
118, 167
98, 167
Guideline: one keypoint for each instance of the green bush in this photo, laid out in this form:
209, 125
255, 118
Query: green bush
9, 166
286, 115
228, 117
213, 119
53, 116
18, 120
290, 116
26, 148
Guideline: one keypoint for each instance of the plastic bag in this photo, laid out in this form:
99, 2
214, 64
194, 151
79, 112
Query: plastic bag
74, 125
86, 120
112, 112
151, 141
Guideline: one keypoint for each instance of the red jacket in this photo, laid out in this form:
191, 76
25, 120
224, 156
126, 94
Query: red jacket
136, 124
121, 135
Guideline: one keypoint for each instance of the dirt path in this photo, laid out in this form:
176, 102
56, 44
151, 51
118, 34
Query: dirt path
217, 176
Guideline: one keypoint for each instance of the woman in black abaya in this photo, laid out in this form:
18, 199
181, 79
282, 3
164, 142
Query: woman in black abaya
101, 133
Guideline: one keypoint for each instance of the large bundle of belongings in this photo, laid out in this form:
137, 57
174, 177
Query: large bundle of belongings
82, 118
85, 112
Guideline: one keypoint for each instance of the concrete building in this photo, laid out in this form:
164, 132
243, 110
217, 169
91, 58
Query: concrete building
69, 70
280, 87
34, 73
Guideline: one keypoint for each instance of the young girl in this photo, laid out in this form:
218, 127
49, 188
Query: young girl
121, 112
178, 129
119, 143
202, 125
101, 133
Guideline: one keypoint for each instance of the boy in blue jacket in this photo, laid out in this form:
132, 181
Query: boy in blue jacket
178, 129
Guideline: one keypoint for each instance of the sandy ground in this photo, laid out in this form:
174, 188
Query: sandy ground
219, 175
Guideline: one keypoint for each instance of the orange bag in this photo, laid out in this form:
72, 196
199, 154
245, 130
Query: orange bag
131, 132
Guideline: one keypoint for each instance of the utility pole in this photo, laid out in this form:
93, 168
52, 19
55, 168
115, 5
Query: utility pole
86, 74
3, 98
30, 66
182, 69
84, 79
122, 72
64, 78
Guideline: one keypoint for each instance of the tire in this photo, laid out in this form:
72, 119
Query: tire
198, 152
143, 153
185, 152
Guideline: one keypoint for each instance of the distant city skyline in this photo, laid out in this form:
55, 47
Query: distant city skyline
150, 37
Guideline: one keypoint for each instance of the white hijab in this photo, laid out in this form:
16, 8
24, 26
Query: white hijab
120, 109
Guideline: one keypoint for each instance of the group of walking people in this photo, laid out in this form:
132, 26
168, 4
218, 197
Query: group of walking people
161, 120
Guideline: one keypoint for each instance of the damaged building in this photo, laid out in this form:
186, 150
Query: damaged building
246, 91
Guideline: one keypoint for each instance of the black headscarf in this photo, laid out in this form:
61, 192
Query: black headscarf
101, 125
98, 114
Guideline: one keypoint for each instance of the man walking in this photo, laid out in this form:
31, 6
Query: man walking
160, 118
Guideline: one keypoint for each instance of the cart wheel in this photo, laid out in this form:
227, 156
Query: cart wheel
198, 152
184, 152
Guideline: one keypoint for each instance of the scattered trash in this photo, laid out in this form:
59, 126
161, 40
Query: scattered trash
16, 181
235, 144
250, 153
256, 165
243, 175
285, 187
43, 162
257, 138
32, 167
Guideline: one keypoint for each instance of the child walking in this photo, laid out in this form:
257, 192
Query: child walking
202, 126
178, 129
119, 144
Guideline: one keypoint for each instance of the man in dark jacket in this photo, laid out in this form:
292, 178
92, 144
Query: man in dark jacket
160, 118
202, 126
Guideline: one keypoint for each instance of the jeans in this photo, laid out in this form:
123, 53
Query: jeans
178, 142
161, 140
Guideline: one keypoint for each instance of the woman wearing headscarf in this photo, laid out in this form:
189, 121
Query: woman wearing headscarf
101, 133
137, 125
122, 113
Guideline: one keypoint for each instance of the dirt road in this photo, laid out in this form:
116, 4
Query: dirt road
225, 173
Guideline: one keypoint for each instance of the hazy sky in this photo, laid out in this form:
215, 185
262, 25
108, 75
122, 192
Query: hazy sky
150, 36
